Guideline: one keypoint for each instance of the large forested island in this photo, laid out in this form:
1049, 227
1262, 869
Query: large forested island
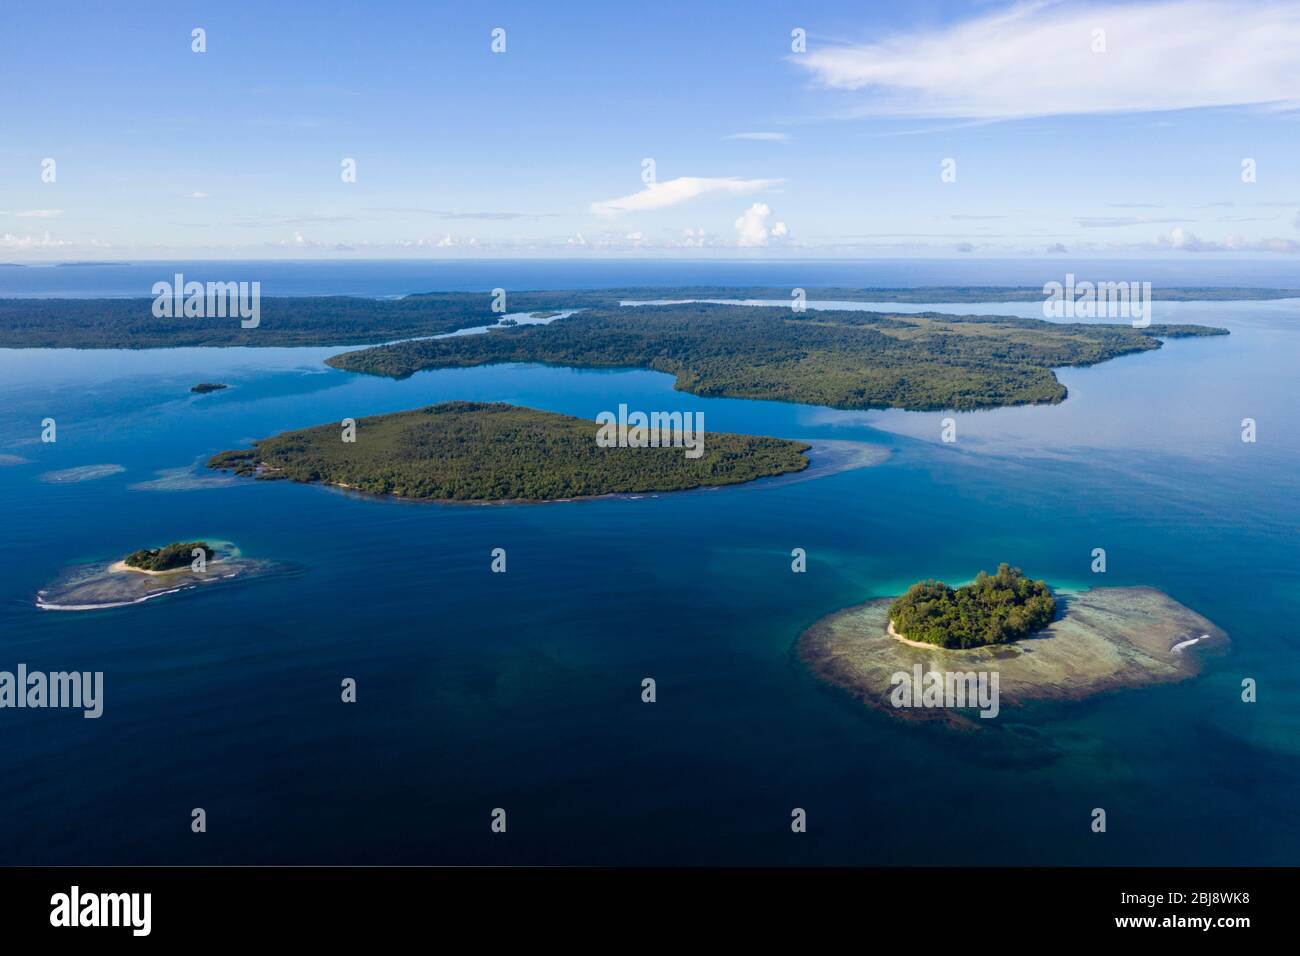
843, 359
472, 451
284, 320
993, 609
349, 320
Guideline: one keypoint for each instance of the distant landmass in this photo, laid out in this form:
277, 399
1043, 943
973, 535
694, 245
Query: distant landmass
473, 451
842, 359
348, 320
204, 387
285, 321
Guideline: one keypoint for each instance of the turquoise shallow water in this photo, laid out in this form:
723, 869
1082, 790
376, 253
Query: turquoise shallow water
522, 690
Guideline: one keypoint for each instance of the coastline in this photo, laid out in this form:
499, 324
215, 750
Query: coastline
823, 458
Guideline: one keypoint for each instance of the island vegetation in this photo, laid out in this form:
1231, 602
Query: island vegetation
994, 609
471, 451
284, 320
1105, 639
170, 557
841, 359
158, 573
204, 387
348, 320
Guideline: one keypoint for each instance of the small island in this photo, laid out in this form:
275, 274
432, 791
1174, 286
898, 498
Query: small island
172, 557
993, 609
149, 573
204, 387
1100, 640
493, 452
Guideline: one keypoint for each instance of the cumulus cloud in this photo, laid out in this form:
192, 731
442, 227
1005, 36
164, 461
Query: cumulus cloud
680, 190
1180, 240
10, 241
1038, 59
752, 228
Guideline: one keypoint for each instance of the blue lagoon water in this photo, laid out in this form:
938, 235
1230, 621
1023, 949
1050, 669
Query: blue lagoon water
522, 691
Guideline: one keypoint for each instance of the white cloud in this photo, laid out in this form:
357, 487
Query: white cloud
447, 241
680, 190
10, 241
1036, 59
751, 227
38, 213
1180, 240
196, 195
762, 137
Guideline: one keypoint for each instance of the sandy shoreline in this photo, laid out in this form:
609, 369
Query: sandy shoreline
911, 643
117, 566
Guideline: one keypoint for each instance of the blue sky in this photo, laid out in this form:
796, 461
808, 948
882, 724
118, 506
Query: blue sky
759, 151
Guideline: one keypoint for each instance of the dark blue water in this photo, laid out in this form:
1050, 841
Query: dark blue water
522, 690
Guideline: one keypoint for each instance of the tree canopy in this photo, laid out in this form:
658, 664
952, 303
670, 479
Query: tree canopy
994, 609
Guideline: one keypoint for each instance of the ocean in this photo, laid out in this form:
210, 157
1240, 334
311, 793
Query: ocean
522, 691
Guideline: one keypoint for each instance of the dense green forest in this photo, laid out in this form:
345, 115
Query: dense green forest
322, 320
168, 558
347, 320
471, 451
842, 359
993, 609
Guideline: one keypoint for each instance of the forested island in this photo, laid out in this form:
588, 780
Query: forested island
204, 387
349, 320
284, 321
993, 609
842, 359
148, 574
474, 451
170, 557
1104, 639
